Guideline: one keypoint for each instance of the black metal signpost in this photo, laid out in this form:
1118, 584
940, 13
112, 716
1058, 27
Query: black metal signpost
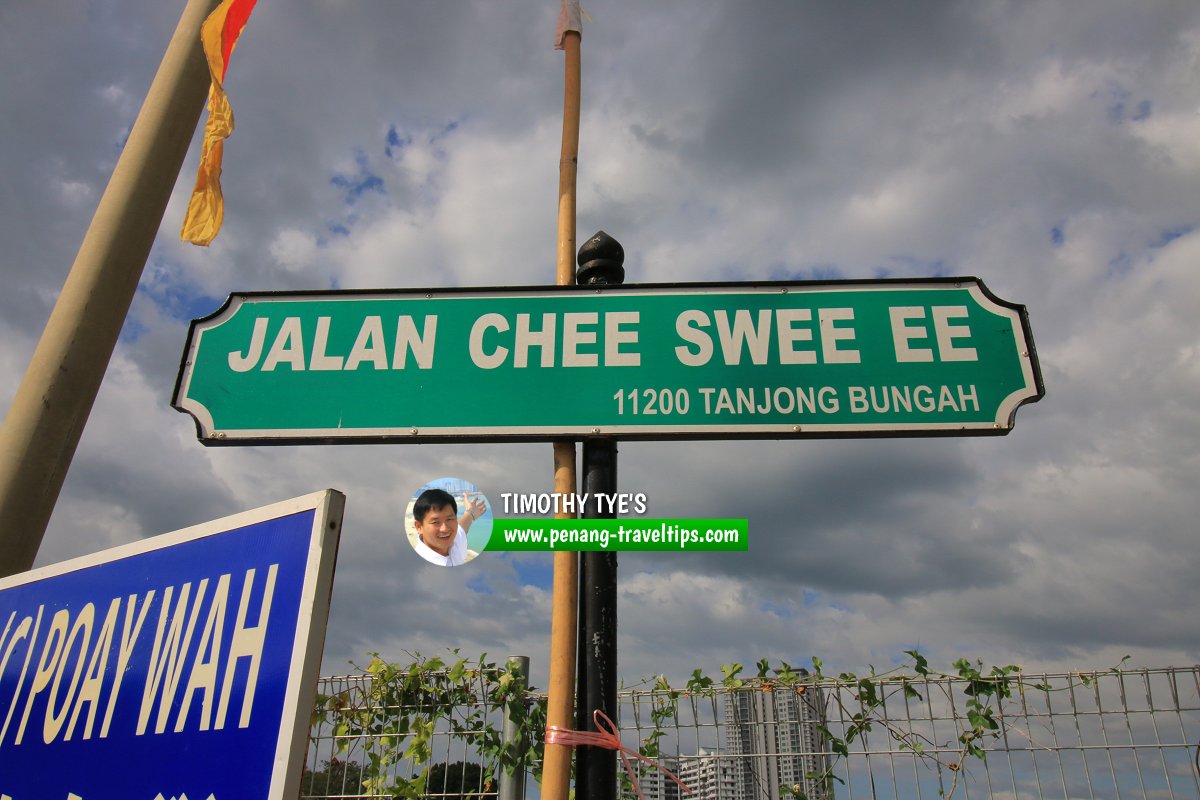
782, 359
601, 260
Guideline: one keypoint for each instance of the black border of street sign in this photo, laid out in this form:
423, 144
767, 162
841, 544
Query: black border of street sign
406, 435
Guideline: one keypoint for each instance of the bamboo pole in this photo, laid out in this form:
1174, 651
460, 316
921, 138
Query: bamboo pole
556, 772
47, 416
568, 164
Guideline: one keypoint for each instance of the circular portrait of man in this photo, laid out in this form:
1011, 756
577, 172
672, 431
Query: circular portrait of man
448, 522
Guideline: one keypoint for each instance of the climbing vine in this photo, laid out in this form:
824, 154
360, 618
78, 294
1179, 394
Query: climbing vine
393, 718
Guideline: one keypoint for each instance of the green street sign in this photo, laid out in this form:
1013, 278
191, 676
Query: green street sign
651, 361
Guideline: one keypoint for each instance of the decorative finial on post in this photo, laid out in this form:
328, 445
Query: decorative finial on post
601, 260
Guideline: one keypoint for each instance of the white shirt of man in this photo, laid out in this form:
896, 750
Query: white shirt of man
456, 556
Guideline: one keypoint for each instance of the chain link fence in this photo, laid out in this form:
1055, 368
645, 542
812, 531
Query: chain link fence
439, 733
1099, 735
1115, 734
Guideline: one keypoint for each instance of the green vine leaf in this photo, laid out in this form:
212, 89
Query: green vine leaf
405, 706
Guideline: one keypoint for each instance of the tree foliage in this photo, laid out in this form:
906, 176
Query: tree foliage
460, 780
335, 777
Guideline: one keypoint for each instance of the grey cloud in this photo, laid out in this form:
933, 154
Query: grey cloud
1047, 148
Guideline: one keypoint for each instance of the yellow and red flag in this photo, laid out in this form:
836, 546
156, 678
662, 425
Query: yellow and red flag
219, 35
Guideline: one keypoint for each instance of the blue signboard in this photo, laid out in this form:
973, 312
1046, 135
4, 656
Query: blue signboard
183, 665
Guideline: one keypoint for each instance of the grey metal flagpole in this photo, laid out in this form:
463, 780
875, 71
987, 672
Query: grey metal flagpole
47, 416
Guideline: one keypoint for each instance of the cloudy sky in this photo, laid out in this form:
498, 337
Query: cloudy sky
1050, 148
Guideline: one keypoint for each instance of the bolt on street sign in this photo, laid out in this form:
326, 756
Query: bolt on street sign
654, 361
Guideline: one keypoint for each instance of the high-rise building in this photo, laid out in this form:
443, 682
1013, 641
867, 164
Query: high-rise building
655, 785
707, 774
770, 746
774, 734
